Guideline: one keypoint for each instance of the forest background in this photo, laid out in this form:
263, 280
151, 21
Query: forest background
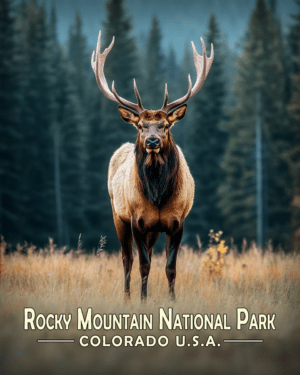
57, 130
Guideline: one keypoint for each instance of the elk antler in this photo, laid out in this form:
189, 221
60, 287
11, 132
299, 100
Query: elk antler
97, 62
202, 65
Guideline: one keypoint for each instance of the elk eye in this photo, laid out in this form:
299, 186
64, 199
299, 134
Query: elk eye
160, 126
139, 126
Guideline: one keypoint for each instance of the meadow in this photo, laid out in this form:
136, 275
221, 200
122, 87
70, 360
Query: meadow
218, 280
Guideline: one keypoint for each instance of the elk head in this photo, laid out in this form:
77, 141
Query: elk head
153, 126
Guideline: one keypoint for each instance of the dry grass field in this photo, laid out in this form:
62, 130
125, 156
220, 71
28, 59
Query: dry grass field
216, 281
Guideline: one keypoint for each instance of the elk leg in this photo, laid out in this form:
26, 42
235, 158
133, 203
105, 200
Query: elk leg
173, 243
140, 239
125, 238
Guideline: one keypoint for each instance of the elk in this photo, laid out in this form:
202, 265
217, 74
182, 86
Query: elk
149, 182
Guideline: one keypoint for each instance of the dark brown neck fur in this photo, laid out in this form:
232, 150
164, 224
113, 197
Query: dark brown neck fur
158, 172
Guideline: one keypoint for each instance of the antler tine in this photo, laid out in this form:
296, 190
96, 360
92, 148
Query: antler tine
97, 62
167, 107
136, 107
136, 91
166, 96
202, 66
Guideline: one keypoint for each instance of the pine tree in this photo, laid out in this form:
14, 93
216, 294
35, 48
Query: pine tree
69, 139
73, 135
94, 179
22, 76
10, 134
36, 111
74, 81
79, 57
55, 62
207, 142
153, 89
260, 83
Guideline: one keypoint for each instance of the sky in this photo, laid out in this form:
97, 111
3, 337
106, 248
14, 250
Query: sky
180, 20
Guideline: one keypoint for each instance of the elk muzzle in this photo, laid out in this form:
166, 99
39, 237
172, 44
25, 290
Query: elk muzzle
152, 144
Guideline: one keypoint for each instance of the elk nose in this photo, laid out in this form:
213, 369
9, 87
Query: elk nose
152, 142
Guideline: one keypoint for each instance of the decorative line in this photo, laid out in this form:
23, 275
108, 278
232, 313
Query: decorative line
55, 340
243, 340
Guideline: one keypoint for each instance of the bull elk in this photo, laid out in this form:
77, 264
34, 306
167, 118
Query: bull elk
149, 182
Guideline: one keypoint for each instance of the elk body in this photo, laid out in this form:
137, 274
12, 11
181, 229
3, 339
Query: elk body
149, 182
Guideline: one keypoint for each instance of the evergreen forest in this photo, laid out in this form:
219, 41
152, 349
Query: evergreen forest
241, 134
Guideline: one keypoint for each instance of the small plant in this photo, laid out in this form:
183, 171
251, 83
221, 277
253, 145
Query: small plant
101, 245
79, 243
51, 246
213, 265
79, 246
199, 243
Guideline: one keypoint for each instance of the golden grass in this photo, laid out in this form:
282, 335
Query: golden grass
50, 282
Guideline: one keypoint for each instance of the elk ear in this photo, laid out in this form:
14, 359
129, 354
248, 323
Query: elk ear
129, 116
177, 114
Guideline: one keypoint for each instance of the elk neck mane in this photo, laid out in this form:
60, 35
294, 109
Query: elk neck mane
158, 173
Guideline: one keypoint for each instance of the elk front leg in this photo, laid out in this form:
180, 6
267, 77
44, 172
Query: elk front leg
173, 243
140, 239
125, 238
